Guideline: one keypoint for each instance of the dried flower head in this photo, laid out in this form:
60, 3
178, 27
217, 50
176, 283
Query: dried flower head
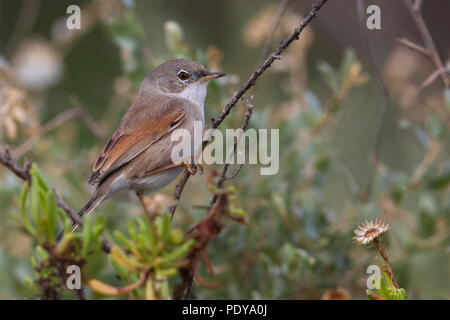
369, 231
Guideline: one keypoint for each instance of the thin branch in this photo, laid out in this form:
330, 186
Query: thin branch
413, 46
247, 85
433, 76
72, 214
414, 10
8, 162
267, 63
385, 257
223, 176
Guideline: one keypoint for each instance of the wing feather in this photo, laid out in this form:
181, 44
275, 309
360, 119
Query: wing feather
125, 144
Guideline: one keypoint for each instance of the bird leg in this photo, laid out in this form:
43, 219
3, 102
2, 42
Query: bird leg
189, 167
192, 168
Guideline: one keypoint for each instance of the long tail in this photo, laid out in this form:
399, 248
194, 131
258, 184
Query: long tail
88, 208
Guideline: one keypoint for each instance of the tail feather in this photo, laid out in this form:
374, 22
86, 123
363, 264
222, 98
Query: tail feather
88, 208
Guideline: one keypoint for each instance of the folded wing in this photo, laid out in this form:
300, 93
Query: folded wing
130, 141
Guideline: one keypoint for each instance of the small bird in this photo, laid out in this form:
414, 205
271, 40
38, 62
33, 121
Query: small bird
138, 155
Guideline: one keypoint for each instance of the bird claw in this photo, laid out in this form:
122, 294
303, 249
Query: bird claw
192, 168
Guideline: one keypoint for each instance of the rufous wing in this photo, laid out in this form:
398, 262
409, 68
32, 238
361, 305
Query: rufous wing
125, 145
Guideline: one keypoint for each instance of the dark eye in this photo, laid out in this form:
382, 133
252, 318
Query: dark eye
182, 75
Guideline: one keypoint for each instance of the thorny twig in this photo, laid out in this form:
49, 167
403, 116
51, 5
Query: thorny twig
275, 55
210, 224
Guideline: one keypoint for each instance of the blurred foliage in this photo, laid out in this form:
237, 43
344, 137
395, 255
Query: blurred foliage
297, 244
40, 217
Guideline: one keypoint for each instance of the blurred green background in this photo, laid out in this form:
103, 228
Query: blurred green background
322, 97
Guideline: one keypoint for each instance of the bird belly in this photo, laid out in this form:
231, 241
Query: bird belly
155, 182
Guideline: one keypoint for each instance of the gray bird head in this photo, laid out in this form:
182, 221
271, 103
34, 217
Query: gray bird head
175, 76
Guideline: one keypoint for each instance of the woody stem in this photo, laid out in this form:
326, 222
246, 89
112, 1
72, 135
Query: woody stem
385, 257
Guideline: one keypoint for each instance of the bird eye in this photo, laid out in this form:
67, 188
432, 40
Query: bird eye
183, 75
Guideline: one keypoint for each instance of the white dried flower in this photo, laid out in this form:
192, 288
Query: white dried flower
369, 231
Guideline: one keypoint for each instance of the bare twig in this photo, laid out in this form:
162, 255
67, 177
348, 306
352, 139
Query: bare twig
387, 263
414, 10
72, 214
413, 46
433, 76
223, 176
8, 162
247, 85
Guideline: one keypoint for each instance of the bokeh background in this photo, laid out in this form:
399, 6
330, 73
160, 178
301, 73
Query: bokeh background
323, 97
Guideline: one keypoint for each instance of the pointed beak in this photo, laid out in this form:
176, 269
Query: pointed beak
208, 75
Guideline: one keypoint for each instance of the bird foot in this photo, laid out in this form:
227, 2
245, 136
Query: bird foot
192, 168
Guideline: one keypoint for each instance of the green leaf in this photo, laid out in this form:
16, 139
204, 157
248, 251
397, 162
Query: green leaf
52, 218
35, 206
23, 210
124, 275
383, 288
178, 252
147, 235
99, 226
165, 227
87, 235
122, 240
132, 230
36, 173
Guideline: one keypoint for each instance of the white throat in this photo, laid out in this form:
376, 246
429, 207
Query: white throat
195, 93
